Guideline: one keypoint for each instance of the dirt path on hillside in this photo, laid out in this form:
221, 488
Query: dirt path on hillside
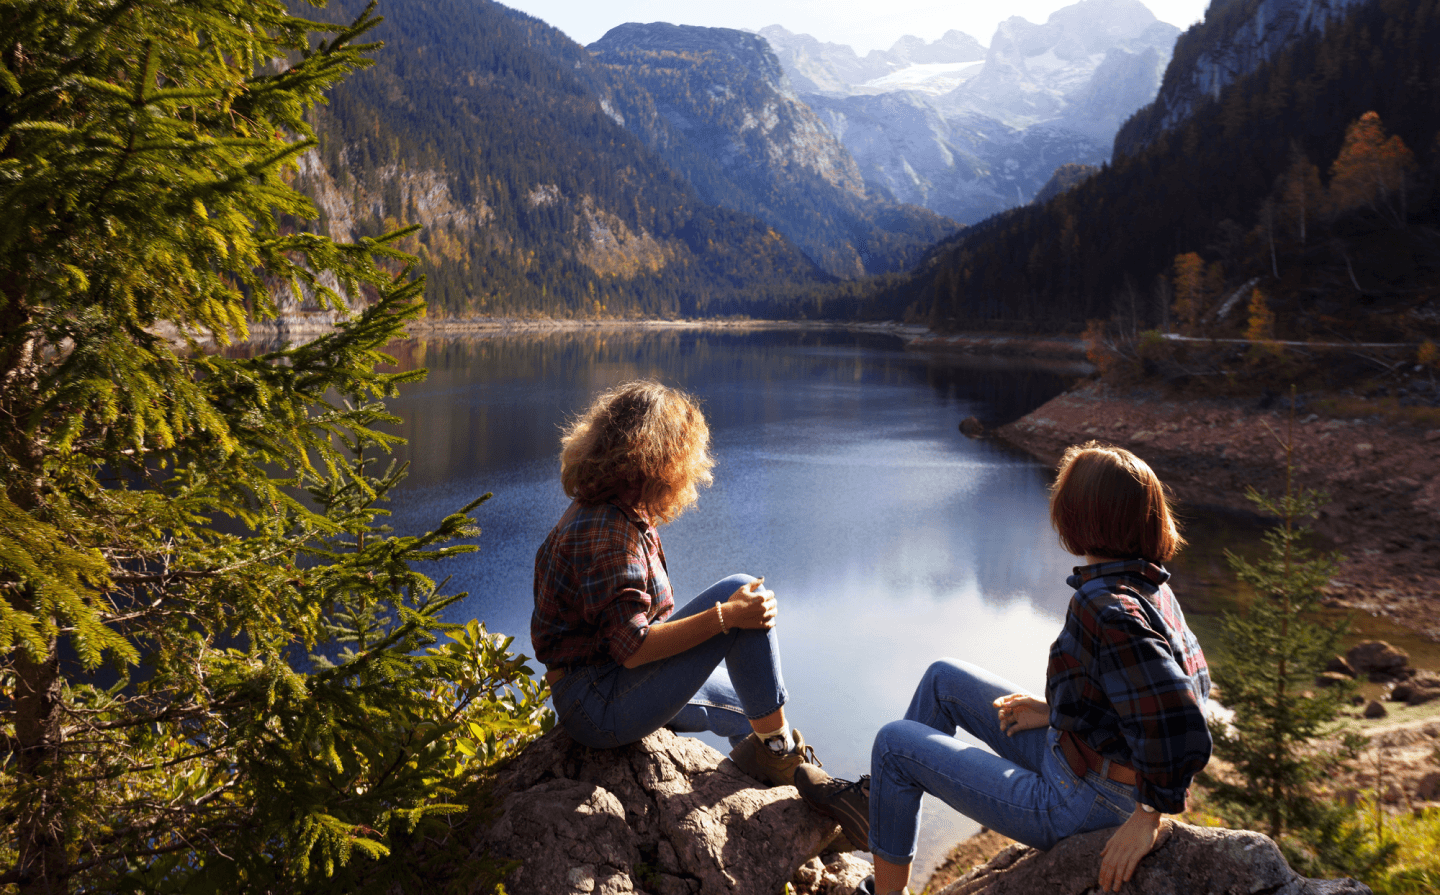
1383, 480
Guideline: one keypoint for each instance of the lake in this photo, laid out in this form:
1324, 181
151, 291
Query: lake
889, 538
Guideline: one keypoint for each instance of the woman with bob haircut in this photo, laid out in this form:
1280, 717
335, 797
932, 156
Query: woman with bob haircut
620, 660
1121, 731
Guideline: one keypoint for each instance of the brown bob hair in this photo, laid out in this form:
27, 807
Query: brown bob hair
641, 443
1108, 502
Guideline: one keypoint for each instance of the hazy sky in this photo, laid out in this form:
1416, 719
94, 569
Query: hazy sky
863, 24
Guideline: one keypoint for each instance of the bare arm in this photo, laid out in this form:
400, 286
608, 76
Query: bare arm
752, 606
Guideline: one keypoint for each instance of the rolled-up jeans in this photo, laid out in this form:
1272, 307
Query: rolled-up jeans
1024, 789
609, 705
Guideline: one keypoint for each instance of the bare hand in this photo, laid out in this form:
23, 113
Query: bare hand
1019, 712
752, 606
1131, 842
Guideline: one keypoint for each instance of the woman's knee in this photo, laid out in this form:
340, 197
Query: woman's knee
952, 671
891, 740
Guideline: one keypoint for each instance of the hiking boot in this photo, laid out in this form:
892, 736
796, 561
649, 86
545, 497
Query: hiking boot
846, 803
759, 761
867, 887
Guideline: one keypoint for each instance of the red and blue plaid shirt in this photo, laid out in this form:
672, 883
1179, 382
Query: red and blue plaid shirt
1128, 678
600, 582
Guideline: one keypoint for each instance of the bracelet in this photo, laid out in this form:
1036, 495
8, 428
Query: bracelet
720, 613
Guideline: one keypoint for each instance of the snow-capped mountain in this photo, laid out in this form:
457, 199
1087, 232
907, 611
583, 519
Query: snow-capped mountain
967, 130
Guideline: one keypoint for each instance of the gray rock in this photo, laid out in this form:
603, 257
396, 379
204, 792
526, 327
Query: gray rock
666, 814
1187, 859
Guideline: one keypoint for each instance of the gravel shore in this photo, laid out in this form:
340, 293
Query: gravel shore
1382, 478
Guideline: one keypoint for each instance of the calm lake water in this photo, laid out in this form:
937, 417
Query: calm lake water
889, 538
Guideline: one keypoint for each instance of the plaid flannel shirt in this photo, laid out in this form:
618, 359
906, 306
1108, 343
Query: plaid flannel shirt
600, 582
1128, 678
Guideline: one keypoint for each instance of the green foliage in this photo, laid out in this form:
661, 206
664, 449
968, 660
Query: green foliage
1274, 652
1415, 869
217, 669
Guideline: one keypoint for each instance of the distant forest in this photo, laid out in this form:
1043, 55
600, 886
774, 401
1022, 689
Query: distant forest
485, 125
1221, 191
474, 92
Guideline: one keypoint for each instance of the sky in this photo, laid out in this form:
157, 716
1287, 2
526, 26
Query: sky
862, 24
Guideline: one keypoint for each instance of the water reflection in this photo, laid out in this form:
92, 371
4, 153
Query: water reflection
890, 539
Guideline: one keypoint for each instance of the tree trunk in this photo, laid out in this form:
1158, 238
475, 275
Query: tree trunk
42, 861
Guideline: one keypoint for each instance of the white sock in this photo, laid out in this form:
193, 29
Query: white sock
779, 740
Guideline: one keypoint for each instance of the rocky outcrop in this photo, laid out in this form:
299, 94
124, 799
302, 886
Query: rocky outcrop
668, 816
1187, 859
1236, 38
1065, 178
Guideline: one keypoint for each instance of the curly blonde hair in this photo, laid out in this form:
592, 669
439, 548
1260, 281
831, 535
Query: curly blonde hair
641, 443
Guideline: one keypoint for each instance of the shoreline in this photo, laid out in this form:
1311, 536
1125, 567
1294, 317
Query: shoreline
290, 328
1380, 477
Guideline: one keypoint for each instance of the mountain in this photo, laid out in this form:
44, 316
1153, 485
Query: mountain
716, 105
1315, 177
828, 68
1235, 38
969, 131
488, 127
511, 145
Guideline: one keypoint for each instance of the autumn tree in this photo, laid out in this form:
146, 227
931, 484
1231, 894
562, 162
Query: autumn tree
1372, 171
218, 670
1189, 291
1260, 329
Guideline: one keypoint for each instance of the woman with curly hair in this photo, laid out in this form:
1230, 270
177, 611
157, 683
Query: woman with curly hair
1120, 733
622, 662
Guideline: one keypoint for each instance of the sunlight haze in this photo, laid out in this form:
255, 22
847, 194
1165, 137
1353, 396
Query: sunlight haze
862, 24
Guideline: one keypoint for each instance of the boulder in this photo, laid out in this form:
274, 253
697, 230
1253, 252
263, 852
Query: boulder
972, 427
1422, 687
1428, 789
1338, 665
667, 816
1332, 679
1374, 709
1186, 859
1376, 656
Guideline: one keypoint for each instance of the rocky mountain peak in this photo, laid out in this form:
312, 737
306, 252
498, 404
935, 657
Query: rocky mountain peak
748, 54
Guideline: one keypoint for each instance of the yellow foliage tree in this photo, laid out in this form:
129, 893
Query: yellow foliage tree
1189, 291
1371, 171
1260, 329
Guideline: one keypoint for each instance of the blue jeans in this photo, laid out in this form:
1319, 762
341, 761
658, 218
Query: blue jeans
604, 706
1024, 789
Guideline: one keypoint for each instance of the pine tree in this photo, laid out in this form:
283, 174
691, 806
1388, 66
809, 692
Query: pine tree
1274, 651
216, 669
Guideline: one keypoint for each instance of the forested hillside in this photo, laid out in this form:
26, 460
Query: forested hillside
715, 104
485, 126
1283, 183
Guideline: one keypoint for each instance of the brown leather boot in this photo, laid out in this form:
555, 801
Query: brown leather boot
777, 769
